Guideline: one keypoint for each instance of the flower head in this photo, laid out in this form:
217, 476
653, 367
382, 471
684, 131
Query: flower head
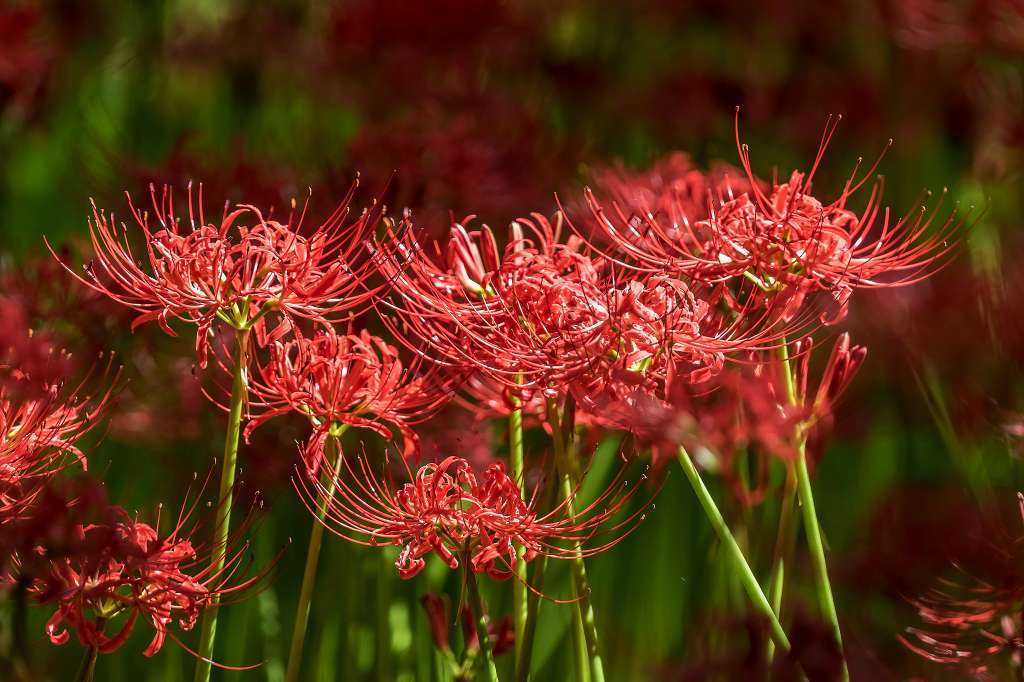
39, 431
235, 271
450, 511
785, 240
338, 380
122, 568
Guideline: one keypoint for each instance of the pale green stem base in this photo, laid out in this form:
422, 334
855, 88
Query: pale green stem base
817, 547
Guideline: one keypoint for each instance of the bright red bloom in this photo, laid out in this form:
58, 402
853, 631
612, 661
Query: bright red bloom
450, 511
534, 318
656, 208
354, 380
235, 273
122, 567
784, 239
39, 429
546, 318
672, 188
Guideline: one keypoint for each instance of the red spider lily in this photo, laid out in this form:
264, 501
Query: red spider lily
231, 272
352, 380
48, 527
546, 318
971, 621
672, 188
37, 357
123, 567
656, 207
39, 429
784, 238
533, 318
450, 511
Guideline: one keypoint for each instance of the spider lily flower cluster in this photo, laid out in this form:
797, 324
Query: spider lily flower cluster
235, 271
450, 511
122, 570
675, 304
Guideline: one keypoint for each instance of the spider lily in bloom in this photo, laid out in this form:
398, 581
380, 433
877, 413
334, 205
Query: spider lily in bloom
783, 238
39, 429
654, 210
339, 380
235, 271
122, 568
450, 511
972, 621
531, 319
547, 318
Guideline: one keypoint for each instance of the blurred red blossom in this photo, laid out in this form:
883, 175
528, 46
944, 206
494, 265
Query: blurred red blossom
971, 620
39, 432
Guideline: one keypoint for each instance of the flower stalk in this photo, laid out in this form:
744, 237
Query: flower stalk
561, 434
239, 389
805, 493
516, 465
316, 536
88, 670
725, 536
480, 617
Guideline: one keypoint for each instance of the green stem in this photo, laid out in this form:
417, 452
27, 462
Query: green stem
477, 603
817, 547
316, 536
88, 669
810, 517
584, 605
783, 550
533, 603
221, 530
747, 579
519, 596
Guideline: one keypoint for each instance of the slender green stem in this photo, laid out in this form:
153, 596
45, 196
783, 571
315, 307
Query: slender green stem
823, 585
533, 603
584, 605
519, 596
788, 522
746, 575
316, 536
221, 530
817, 547
477, 603
88, 669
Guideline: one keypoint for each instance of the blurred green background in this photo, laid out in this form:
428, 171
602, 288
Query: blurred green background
491, 107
